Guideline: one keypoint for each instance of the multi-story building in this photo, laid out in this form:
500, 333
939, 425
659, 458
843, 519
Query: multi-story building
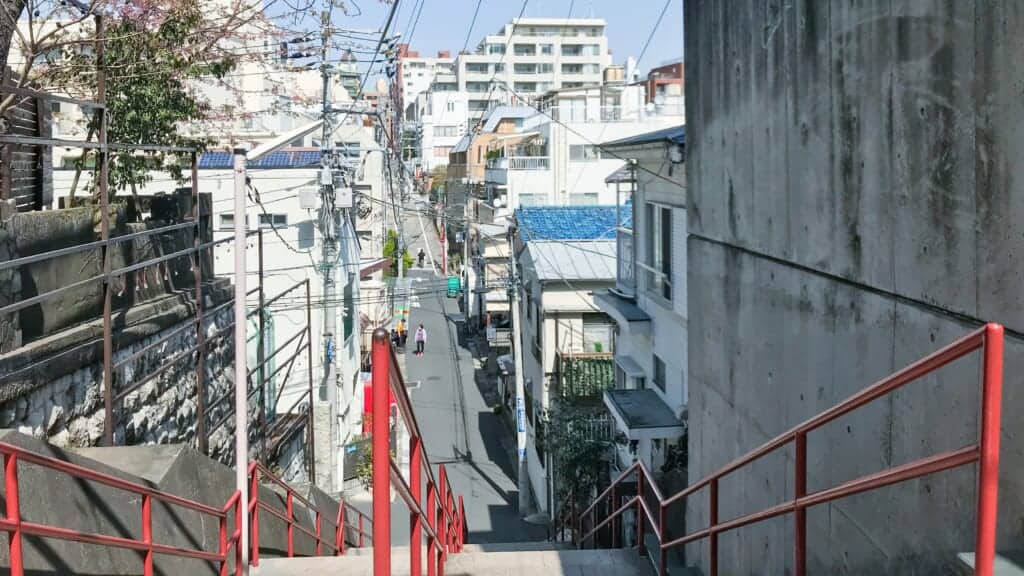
648, 302
416, 74
661, 79
532, 56
565, 254
439, 119
556, 157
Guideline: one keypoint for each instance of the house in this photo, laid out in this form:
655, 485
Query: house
648, 301
555, 157
564, 255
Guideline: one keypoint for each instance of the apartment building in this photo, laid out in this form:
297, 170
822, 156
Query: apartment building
533, 56
416, 74
556, 158
648, 302
661, 79
439, 121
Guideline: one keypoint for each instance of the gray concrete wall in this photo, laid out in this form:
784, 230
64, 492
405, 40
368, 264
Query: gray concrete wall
855, 202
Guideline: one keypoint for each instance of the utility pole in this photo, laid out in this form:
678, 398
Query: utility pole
517, 350
241, 370
329, 227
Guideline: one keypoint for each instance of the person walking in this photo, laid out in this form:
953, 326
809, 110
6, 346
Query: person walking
403, 334
421, 339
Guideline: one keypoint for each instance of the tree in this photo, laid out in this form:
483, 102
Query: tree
391, 249
577, 435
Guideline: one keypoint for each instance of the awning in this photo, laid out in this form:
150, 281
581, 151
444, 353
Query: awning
642, 415
624, 311
630, 366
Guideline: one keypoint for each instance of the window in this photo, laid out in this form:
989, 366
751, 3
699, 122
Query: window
525, 86
584, 153
273, 220
572, 84
445, 87
477, 67
450, 106
658, 240
525, 50
658, 378
476, 86
547, 49
446, 131
227, 221
584, 199
572, 50
499, 68
524, 68
495, 48
442, 151
545, 68
597, 333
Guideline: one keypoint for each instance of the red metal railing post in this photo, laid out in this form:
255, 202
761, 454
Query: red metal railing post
415, 529
988, 464
13, 514
432, 523
462, 523
291, 525
147, 534
442, 520
339, 532
662, 551
800, 515
238, 543
223, 543
639, 512
318, 538
254, 522
381, 383
712, 525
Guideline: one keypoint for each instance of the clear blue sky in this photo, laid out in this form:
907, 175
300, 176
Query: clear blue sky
443, 23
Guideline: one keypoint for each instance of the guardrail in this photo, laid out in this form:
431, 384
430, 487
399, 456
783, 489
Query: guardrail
336, 544
441, 519
988, 339
16, 528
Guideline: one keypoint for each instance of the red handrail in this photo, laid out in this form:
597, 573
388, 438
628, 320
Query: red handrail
985, 452
259, 473
16, 528
443, 520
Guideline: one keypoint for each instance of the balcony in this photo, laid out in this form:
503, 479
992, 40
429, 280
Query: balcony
625, 280
519, 163
584, 376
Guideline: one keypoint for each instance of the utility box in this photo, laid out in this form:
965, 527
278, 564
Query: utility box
308, 198
343, 197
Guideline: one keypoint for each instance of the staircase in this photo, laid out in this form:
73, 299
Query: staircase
521, 559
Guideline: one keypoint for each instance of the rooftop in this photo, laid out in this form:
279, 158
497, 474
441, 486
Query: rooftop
674, 135
568, 222
583, 260
642, 413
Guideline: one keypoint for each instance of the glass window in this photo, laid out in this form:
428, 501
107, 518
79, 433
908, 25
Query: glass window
658, 240
495, 48
499, 68
525, 86
477, 67
525, 50
584, 153
547, 49
477, 86
658, 378
545, 68
572, 68
524, 68
597, 333
227, 221
273, 220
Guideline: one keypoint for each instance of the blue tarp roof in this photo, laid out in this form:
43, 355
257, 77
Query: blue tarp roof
675, 135
222, 160
569, 222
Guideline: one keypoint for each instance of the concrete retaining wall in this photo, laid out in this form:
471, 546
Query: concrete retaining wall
855, 202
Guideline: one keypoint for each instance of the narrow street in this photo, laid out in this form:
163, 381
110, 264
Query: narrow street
459, 426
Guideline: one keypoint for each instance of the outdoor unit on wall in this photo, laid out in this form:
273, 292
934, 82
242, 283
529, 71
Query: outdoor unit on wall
308, 198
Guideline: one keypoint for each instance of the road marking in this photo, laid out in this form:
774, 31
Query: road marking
426, 242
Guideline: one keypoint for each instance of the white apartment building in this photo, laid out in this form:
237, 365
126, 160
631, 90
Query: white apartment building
440, 119
416, 74
648, 302
533, 56
555, 158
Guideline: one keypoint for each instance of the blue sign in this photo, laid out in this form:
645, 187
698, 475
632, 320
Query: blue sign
520, 415
330, 351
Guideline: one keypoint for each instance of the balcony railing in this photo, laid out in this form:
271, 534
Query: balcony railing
637, 113
519, 163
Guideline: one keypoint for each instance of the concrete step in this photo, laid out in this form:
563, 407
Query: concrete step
1006, 564
402, 551
509, 563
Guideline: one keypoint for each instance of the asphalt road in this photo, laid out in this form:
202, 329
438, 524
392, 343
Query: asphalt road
460, 429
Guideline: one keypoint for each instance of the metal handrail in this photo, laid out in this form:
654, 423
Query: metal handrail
17, 528
988, 339
336, 543
442, 518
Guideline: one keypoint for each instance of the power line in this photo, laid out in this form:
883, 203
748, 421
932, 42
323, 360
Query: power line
653, 30
472, 24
